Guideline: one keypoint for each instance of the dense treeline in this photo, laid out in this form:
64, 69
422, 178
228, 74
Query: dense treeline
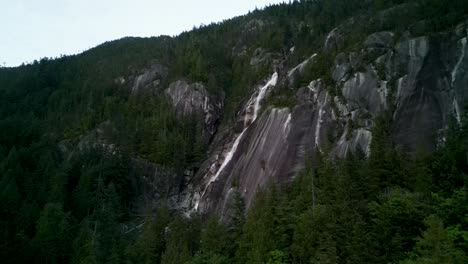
69, 132
386, 209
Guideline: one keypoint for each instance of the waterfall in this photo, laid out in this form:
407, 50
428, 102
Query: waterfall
261, 94
301, 66
460, 60
257, 100
319, 122
287, 123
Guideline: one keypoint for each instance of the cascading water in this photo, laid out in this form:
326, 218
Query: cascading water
456, 107
321, 111
460, 60
261, 94
256, 104
301, 66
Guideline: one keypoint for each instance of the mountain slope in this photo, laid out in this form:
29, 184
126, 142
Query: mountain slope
310, 97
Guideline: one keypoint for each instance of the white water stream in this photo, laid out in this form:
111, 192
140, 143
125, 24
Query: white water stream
460, 60
454, 75
257, 106
318, 126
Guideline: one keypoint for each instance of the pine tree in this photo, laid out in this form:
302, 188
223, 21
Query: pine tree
178, 248
396, 220
436, 246
53, 234
150, 244
85, 245
257, 238
214, 244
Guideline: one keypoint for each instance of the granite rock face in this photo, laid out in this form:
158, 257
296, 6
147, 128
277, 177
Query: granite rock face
379, 40
422, 80
148, 80
431, 91
158, 185
272, 150
361, 90
334, 40
193, 100
267, 154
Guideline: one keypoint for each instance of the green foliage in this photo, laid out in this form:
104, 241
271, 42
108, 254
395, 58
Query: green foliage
257, 239
214, 244
321, 68
282, 97
278, 257
436, 245
178, 248
150, 244
397, 220
440, 14
52, 234
85, 244
385, 162
69, 133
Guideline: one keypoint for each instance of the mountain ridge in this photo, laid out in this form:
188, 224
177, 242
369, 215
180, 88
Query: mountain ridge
226, 121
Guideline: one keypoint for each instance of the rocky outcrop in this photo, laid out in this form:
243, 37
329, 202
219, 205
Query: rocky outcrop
271, 149
95, 140
299, 69
193, 100
262, 153
421, 79
379, 40
430, 89
334, 40
362, 90
158, 185
260, 58
412, 76
149, 80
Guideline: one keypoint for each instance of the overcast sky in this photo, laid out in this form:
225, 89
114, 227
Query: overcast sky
32, 29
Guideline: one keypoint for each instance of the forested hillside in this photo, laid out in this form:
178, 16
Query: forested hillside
105, 156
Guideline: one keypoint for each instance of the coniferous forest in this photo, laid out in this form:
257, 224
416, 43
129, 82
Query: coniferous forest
61, 202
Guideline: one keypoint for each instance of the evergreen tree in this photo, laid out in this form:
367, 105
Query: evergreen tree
436, 246
85, 245
178, 248
150, 244
397, 218
53, 233
214, 244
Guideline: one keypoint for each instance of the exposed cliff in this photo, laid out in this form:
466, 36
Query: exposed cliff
102, 152
420, 80
194, 101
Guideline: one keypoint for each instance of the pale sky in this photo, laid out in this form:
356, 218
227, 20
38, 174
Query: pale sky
33, 29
